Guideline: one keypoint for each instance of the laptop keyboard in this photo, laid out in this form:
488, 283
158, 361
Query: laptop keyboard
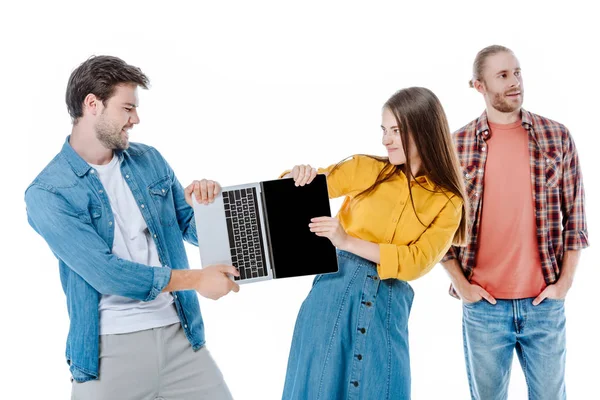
243, 226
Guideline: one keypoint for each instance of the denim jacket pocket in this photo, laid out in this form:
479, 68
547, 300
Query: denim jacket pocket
91, 215
162, 197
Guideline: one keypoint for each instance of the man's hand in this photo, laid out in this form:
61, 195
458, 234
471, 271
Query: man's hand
471, 293
556, 291
204, 190
330, 228
214, 283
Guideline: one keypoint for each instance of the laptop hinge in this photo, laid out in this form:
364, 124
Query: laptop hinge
267, 233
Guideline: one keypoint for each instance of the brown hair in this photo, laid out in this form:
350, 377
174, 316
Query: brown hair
99, 75
420, 115
480, 59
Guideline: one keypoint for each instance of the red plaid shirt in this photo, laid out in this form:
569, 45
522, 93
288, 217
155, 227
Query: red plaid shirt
558, 195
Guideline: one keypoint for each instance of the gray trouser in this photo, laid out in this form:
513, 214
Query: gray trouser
153, 364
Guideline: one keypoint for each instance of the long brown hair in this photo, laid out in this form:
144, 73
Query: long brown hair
420, 115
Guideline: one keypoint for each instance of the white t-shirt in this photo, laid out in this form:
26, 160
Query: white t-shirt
132, 241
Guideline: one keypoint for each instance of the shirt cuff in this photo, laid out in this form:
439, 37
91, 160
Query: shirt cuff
453, 292
388, 261
162, 276
192, 225
575, 240
450, 255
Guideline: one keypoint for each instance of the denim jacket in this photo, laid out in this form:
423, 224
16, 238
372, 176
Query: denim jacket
68, 207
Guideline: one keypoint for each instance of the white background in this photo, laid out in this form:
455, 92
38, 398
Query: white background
243, 90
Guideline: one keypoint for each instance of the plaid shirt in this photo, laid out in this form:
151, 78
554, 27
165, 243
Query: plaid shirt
558, 190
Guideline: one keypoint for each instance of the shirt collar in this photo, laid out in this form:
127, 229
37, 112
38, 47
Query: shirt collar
78, 164
425, 181
422, 180
483, 128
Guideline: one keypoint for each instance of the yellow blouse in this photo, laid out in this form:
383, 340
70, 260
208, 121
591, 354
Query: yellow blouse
408, 249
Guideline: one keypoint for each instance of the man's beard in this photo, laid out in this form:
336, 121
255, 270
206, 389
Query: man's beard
502, 104
109, 134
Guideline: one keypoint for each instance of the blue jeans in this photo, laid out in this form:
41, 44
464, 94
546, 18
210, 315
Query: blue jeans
491, 333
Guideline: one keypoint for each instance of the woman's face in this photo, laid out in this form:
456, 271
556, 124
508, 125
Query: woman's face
391, 138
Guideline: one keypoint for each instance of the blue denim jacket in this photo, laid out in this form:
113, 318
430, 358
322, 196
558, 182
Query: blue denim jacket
68, 207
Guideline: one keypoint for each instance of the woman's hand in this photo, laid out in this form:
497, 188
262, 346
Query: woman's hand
330, 228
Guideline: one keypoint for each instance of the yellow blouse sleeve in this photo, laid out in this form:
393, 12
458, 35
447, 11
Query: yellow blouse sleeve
351, 177
409, 262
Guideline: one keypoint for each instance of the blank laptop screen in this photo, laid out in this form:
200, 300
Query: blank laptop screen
296, 250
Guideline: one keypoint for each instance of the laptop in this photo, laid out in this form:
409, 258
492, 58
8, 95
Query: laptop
262, 229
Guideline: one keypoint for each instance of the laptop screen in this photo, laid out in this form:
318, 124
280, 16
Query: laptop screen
296, 250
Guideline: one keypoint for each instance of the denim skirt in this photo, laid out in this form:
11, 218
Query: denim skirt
351, 337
